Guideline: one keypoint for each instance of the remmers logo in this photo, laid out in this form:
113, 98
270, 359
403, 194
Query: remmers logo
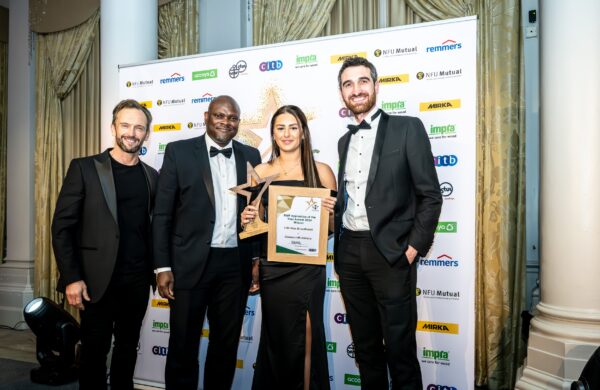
440, 387
340, 318
160, 351
270, 65
441, 261
352, 379
446, 189
249, 311
175, 78
449, 160
206, 98
237, 69
447, 45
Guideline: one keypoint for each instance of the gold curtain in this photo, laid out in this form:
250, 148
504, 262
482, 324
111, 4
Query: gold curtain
3, 135
67, 126
352, 16
400, 13
277, 21
178, 28
500, 250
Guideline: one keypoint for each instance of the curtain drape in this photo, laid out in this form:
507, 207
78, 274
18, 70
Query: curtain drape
67, 126
3, 145
352, 16
500, 250
277, 21
178, 33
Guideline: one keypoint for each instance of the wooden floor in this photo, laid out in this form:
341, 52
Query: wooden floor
17, 345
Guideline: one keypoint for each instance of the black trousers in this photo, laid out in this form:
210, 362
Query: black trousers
381, 305
120, 312
222, 292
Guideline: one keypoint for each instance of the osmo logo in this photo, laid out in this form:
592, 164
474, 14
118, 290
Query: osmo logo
340, 318
350, 350
446, 189
440, 387
237, 69
445, 160
270, 65
345, 113
352, 380
160, 351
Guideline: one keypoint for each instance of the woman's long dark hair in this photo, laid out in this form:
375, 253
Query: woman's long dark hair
308, 165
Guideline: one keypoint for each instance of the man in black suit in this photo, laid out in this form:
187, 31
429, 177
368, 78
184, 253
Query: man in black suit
388, 208
201, 264
102, 244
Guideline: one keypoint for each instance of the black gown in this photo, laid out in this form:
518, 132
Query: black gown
287, 292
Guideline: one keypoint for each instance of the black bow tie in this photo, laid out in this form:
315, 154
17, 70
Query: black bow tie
226, 152
363, 125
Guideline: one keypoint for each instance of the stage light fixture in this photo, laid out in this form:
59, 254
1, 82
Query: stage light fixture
57, 334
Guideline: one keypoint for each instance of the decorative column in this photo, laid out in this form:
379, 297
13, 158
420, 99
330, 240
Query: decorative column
128, 34
16, 273
566, 330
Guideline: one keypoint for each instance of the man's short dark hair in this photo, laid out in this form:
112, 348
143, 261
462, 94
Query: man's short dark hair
130, 103
357, 61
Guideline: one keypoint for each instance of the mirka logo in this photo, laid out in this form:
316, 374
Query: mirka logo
206, 98
438, 294
397, 107
447, 227
306, 61
442, 131
239, 363
396, 51
439, 105
352, 379
337, 58
394, 79
205, 74
160, 303
440, 74
175, 78
447, 45
434, 356
441, 261
147, 103
167, 127
139, 83
205, 332
437, 327
329, 257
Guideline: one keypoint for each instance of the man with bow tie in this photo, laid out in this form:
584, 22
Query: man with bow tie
201, 265
387, 210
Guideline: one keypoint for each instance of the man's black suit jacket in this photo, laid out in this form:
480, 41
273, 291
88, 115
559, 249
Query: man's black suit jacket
85, 230
403, 198
184, 212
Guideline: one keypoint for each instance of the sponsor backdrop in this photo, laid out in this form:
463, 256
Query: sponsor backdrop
425, 70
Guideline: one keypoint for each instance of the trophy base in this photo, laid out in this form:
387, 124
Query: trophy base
253, 229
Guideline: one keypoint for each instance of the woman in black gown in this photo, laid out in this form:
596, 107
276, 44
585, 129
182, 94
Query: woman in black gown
292, 351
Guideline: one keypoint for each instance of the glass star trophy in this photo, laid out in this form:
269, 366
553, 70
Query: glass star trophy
253, 196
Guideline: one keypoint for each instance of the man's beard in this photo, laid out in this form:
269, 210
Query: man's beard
133, 149
361, 108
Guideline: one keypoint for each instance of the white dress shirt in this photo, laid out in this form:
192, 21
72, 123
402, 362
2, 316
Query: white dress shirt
224, 177
356, 174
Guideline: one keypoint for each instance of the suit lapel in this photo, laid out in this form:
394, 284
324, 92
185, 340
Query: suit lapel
107, 182
379, 139
241, 171
202, 157
151, 185
343, 153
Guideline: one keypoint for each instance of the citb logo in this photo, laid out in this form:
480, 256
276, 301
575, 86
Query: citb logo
445, 160
160, 351
345, 113
270, 65
440, 387
340, 318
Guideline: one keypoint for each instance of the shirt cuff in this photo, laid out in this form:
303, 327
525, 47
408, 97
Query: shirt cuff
162, 269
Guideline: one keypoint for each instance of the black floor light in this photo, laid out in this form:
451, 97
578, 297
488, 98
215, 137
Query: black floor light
57, 333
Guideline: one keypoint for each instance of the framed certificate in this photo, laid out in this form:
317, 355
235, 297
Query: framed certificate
298, 225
